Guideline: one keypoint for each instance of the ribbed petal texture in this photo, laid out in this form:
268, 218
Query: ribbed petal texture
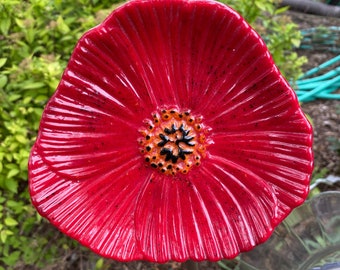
88, 177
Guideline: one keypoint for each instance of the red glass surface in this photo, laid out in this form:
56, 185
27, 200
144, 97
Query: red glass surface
86, 173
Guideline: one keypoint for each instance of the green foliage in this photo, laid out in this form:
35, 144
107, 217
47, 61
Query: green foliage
278, 31
36, 40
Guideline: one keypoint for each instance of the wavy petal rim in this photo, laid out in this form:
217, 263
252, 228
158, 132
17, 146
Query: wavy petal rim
144, 56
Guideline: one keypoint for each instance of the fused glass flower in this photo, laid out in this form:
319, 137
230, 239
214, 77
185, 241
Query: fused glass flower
171, 136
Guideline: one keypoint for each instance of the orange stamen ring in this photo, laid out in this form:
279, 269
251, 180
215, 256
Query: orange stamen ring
173, 141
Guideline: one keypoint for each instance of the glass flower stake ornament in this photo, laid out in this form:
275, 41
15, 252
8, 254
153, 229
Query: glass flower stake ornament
309, 238
171, 136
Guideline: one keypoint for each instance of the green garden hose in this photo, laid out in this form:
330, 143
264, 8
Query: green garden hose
310, 87
321, 82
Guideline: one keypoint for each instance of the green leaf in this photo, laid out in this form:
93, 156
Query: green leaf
41, 98
99, 264
2, 62
21, 139
62, 26
19, 22
12, 204
23, 164
10, 222
12, 259
9, 157
33, 85
260, 5
38, 111
296, 42
5, 24
281, 10
3, 81
12, 172
14, 97
30, 35
13, 147
27, 100
11, 185
4, 234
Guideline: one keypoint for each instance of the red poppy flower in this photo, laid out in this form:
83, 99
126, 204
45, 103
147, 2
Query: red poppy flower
171, 136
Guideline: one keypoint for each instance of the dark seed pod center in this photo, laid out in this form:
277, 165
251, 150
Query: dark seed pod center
173, 141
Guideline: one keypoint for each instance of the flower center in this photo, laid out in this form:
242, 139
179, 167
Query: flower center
173, 141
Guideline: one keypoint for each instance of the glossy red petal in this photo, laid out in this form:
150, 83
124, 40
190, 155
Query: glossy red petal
210, 214
81, 129
98, 213
273, 140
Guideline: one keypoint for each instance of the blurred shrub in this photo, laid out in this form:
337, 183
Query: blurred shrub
36, 40
278, 31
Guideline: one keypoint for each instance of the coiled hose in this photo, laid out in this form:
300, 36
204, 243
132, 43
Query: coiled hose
321, 82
